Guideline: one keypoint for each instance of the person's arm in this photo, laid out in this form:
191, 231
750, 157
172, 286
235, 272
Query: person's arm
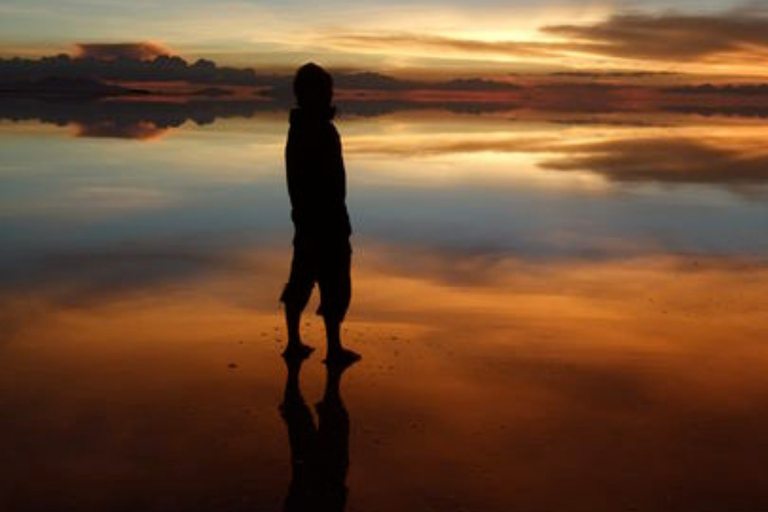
337, 172
292, 166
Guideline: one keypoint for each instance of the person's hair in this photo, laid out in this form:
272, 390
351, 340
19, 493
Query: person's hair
313, 86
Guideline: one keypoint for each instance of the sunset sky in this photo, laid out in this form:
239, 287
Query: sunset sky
483, 37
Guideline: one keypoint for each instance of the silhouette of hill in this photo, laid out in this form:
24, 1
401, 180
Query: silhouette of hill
728, 89
741, 111
612, 74
378, 81
371, 80
162, 68
129, 67
477, 84
212, 92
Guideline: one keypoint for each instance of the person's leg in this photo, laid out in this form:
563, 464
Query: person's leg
293, 323
333, 334
334, 280
295, 297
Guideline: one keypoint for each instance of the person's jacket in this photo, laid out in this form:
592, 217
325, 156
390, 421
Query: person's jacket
316, 176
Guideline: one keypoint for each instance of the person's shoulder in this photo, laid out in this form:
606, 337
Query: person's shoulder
332, 130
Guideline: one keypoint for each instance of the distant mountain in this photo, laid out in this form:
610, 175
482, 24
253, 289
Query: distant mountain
371, 80
729, 89
168, 68
377, 81
162, 68
212, 92
612, 74
742, 111
477, 84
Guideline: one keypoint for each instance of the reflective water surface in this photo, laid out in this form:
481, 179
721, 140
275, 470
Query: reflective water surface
556, 311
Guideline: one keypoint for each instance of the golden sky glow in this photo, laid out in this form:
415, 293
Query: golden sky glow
423, 38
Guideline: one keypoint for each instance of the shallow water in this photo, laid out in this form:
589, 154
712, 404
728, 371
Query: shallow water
556, 312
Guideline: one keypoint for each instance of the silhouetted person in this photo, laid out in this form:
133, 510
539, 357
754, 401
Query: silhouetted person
319, 456
317, 188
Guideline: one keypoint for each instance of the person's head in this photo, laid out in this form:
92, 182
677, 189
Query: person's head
313, 87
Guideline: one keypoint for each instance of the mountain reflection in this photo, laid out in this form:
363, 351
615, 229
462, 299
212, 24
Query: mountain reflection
130, 119
616, 147
133, 118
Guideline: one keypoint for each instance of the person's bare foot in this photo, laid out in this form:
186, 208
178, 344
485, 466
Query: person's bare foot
342, 357
297, 350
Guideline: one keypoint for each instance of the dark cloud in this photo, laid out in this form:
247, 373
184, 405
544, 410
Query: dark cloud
112, 51
670, 36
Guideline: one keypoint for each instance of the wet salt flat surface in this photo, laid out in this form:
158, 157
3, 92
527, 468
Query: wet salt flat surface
554, 314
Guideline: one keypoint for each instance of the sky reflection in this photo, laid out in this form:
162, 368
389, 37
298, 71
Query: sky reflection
541, 305
465, 183
581, 375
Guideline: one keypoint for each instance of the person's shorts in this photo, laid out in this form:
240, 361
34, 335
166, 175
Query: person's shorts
329, 265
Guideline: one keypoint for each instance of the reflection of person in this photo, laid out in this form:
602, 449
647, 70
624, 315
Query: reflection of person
317, 189
319, 456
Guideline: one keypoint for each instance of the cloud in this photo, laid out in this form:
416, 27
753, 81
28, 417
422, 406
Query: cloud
111, 51
736, 36
670, 36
